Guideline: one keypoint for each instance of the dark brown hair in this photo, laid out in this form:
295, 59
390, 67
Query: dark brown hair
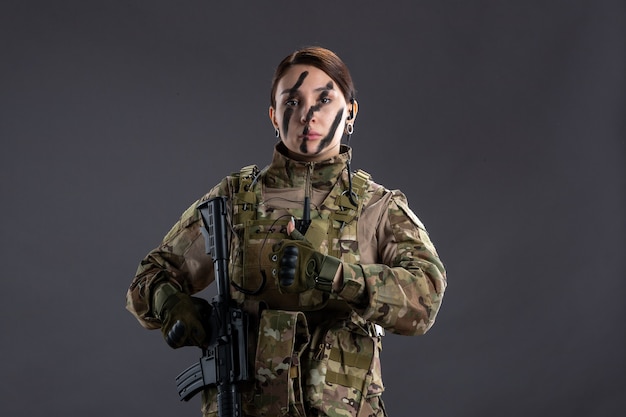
322, 58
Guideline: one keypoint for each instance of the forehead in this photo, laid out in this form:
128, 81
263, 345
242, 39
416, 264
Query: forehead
314, 79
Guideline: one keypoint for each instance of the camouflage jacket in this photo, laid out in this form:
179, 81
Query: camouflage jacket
393, 278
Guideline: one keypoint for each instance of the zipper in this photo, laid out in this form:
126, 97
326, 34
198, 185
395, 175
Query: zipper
306, 205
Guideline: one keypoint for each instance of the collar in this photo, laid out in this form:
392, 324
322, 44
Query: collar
285, 172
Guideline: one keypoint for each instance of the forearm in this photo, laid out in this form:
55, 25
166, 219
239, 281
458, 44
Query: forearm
403, 301
180, 260
152, 272
401, 285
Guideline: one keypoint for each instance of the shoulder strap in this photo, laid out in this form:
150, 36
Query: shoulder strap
343, 225
348, 211
244, 198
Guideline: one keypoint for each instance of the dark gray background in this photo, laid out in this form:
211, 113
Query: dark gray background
502, 121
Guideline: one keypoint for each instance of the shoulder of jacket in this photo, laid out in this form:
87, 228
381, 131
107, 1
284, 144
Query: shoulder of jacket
189, 216
399, 200
394, 199
372, 191
232, 183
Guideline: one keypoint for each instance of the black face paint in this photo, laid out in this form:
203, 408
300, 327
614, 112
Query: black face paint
331, 134
309, 116
289, 110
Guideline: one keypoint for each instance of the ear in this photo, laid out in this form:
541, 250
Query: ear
353, 109
272, 115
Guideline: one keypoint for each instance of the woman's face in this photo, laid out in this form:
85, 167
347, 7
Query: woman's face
310, 113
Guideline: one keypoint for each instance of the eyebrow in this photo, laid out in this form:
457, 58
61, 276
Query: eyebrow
327, 87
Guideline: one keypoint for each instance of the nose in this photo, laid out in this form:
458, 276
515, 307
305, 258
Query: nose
307, 114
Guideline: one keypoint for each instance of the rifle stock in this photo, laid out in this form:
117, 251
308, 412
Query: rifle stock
225, 362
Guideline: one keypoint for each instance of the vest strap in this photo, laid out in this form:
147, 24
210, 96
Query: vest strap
244, 199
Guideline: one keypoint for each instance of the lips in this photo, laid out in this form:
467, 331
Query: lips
310, 136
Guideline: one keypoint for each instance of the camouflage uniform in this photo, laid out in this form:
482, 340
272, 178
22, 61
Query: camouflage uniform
315, 354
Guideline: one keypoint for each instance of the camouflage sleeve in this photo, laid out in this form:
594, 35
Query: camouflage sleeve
180, 259
403, 293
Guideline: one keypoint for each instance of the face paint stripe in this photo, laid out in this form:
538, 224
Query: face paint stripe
310, 115
313, 109
286, 117
298, 83
289, 110
327, 87
331, 134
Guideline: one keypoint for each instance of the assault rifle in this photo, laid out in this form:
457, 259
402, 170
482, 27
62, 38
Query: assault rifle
225, 362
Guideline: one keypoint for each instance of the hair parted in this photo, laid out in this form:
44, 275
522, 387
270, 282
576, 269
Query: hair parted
321, 58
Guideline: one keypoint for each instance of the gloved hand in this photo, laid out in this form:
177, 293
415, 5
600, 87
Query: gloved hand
185, 319
301, 267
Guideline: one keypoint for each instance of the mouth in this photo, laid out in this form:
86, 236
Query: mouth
310, 136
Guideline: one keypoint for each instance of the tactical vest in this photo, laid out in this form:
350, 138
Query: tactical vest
311, 349
259, 226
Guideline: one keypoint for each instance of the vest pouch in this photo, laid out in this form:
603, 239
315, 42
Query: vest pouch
259, 236
283, 336
344, 369
258, 274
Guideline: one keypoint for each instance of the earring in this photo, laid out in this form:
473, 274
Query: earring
277, 132
349, 128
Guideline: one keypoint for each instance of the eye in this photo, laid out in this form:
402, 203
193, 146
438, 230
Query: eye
325, 100
292, 102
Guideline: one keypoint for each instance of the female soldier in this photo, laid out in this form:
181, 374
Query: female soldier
360, 260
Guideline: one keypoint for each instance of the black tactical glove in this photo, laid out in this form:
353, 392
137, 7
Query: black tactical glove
301, 267
185, 319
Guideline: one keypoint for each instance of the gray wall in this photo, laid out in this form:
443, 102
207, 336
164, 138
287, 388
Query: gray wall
503, 122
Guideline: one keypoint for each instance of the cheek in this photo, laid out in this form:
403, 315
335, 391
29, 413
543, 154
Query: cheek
335, 125
286, 119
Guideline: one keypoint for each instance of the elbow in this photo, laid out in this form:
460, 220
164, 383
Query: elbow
412, 327
418, 318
